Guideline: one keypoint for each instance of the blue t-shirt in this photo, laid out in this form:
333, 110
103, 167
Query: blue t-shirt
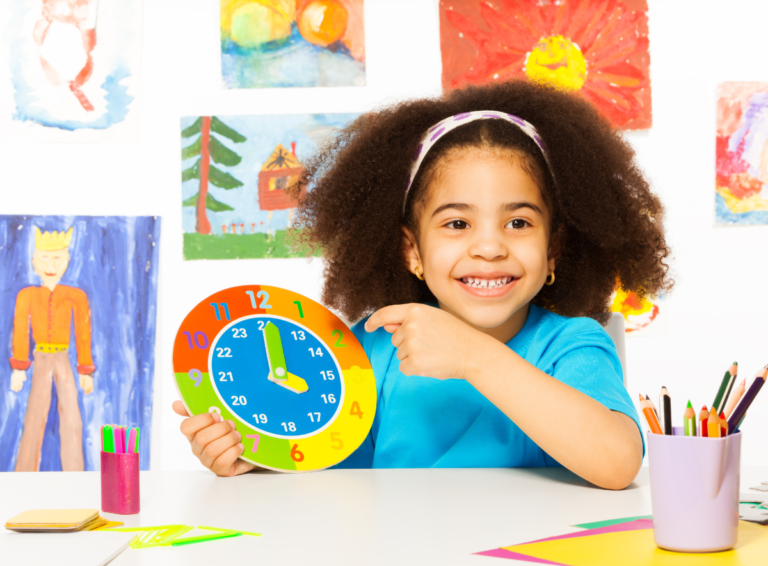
423, 422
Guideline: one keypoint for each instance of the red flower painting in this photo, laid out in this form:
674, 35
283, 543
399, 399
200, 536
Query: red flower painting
596, 47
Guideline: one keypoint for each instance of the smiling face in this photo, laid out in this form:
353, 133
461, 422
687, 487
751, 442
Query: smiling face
484, 240
50, 265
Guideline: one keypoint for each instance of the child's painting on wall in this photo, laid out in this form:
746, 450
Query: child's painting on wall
235, 172
646, 316
598, 48
74, 69
742, 154
292, 43
78, 298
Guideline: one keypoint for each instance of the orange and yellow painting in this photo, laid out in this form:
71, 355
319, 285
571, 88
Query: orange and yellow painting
642, 315
598, 48
292, 43
742, 153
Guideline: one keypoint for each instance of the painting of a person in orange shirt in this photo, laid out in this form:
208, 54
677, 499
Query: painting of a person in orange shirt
48, 310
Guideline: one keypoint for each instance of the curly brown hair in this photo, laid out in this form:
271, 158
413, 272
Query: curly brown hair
607, 222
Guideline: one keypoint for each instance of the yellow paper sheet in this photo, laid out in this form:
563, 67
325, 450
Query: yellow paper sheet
637, 548
53, 518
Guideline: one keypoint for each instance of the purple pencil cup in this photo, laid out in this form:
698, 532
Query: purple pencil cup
120, 483
695, 491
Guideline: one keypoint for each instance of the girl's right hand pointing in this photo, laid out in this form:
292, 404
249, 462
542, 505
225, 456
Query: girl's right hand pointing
215, 442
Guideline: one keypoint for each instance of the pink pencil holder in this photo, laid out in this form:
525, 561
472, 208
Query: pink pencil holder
120, 483
694, 491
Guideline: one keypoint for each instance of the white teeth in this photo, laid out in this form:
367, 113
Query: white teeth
486, 283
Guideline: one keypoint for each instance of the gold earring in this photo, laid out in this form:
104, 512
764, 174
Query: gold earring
419, 275
552, 280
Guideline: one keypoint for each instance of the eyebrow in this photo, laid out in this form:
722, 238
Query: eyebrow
508, 207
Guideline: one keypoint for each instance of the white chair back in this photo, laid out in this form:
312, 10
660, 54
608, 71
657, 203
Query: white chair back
615, 329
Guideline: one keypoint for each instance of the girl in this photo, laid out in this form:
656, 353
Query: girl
480, 228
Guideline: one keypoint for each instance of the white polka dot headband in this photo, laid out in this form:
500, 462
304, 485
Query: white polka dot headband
439, 130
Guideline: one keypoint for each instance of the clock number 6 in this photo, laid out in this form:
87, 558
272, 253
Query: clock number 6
336, 442
296, 456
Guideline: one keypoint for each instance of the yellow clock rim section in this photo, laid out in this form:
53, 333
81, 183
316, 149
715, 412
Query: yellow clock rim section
360, 386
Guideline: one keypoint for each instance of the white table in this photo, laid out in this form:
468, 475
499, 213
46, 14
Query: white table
347, 516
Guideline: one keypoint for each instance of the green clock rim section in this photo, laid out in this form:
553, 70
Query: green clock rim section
272, 452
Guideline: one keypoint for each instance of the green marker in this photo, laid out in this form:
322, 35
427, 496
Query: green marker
107, 439
193, 540
138, 430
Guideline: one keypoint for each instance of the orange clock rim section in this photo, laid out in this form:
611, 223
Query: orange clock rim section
202, 318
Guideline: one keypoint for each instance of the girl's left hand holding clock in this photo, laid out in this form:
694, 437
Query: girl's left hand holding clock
431, 342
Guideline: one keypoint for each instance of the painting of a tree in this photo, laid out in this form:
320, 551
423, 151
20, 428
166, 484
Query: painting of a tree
209, 147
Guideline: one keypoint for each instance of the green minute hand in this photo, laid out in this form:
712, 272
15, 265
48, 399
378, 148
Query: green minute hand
275, 355
278, 372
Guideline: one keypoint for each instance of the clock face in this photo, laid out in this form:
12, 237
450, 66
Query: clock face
287, 371
264, 401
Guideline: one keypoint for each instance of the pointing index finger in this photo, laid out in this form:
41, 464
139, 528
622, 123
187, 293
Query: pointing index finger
390, 318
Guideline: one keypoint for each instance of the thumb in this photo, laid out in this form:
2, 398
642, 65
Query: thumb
179, 409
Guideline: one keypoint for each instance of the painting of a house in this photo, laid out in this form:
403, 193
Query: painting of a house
277, 173
255, 161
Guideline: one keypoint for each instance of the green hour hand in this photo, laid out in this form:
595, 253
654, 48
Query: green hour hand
275, 356
278, 372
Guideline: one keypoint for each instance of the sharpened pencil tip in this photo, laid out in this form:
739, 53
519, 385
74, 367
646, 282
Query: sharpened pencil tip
689, 405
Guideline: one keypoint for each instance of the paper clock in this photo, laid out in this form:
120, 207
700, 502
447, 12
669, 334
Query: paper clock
285, 369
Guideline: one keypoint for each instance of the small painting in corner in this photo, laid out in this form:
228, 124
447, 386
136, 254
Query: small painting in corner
742, 154
292, 43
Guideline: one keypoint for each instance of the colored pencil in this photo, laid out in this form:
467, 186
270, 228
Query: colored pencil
723, 425
713, 424
738, 393
665, 404
132, 440
703, 418
138, 432
116, 438
741, 409
650, 415
689, 420
725, 387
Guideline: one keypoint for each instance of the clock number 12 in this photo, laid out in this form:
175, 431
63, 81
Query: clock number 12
263, 295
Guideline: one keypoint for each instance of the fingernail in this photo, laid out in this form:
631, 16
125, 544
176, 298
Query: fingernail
242, 448
216, 416
239, 436
232, 424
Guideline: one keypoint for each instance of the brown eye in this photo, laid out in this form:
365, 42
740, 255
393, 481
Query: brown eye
518, 224
458, 225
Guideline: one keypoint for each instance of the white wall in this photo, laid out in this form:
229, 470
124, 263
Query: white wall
714, 313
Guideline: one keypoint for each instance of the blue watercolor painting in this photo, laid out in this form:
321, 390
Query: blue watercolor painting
78, 309
292, 43
74, 65
235, 170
